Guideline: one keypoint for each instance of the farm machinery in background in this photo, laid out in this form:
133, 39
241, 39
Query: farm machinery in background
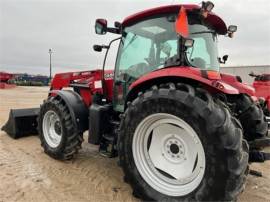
23, 79
261, 85
31, 80
4, 78
181, 129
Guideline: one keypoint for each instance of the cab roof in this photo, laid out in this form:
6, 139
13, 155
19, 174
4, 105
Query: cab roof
217, 23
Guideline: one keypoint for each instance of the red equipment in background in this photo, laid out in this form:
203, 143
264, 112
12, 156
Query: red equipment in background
262, 87
4, 78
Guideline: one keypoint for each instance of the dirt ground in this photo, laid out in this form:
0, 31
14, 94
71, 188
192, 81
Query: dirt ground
27, 174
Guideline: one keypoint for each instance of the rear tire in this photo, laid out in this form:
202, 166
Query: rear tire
225, 151
60, 139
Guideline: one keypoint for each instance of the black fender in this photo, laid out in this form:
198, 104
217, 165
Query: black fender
77, 108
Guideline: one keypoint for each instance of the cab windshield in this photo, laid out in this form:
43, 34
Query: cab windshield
153, 44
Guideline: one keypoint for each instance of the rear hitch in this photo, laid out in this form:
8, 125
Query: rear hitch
21, 122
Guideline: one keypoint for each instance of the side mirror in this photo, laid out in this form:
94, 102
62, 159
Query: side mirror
232, 28
223, 60
101, 26
98, 48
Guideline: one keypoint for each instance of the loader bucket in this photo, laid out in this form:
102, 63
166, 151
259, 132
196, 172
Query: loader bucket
21, 122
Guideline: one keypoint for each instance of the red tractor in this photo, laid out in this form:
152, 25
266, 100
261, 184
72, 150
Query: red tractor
261, 85
5, 77
178, 126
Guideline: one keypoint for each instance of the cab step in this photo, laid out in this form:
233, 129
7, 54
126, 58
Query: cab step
107, 147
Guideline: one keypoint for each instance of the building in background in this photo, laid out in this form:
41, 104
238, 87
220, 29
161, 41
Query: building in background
243, 71
24, 79
31, 79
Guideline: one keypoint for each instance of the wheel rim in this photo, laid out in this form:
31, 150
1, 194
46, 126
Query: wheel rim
168, 154
52, 129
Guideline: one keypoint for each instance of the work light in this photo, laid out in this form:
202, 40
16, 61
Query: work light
188, 43
207, 6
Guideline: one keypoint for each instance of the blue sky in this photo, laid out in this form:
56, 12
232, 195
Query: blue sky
28, 28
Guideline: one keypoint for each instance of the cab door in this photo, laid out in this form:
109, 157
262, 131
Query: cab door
131, 64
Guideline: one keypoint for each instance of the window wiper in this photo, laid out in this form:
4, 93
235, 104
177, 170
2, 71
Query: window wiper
202, 32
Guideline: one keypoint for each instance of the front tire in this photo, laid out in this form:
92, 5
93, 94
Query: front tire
57, 131
251, 117
210, 142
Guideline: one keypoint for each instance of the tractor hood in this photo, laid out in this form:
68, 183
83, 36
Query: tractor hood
215, 21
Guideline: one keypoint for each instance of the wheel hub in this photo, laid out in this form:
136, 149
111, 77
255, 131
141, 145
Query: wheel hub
52, 129
174, 149
57, 127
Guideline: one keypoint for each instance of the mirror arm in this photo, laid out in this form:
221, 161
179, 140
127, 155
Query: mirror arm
113, 30
220, 61
103, 66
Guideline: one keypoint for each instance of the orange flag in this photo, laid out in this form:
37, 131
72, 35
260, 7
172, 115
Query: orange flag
181, 23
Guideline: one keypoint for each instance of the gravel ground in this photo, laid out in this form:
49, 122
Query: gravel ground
27, 174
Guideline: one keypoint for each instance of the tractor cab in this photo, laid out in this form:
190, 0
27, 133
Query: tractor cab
172, 36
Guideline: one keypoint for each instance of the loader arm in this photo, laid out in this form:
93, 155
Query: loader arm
85, 83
